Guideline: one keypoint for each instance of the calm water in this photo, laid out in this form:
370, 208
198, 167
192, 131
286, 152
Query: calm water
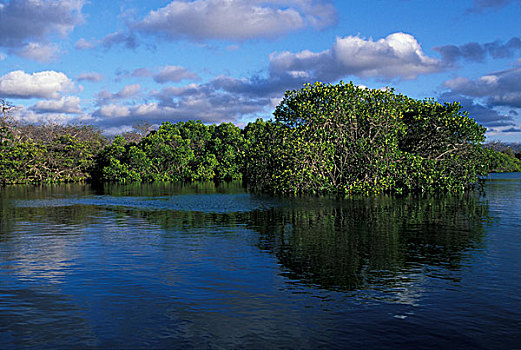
200, 266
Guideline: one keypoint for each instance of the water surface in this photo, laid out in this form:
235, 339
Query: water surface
213, 266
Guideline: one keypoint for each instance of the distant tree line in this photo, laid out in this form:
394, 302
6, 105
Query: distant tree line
324, 138
503, 157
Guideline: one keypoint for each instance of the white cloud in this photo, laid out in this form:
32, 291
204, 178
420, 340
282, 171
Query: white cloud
67, 104
127, 40
26, 25
173, 74
180, 90
206, 102
398, 55
127, 92
46, 84
112, 111
24, 115
118, 130
84, 44
497, 89
150, 110
166, 74
226, 98
39, 52
91, 76
236, 19
112, 115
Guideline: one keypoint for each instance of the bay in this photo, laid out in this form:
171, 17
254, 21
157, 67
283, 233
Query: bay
214, 266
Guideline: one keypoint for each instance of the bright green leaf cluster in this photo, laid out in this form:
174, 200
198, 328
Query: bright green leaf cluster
344, 139
185, 151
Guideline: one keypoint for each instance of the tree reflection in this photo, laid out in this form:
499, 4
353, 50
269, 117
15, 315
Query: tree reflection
351, 244
347, 244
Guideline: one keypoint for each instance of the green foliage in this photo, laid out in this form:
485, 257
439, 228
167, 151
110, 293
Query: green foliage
345, 139
47, 153
324, 138
502, 157
185, 151
501, 162
227, 145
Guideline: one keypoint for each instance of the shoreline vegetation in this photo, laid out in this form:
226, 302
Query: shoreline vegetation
323, 139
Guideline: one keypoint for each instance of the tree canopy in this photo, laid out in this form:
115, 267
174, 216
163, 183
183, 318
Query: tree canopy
345, 139
324, 138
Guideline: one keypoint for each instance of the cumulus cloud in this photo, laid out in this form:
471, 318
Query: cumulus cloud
494, 100
38, 52
398, 55
127, 40
26, 25
165, 74
46, 84
206, 102
498, 89
127, 92
226, 98
483, 113
236, 19
173, 74
476, 52
67, 104
92, 76
112, 111
32, 116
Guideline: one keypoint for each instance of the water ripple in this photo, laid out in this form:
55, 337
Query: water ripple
206, 203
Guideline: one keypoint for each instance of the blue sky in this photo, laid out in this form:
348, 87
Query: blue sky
115, 63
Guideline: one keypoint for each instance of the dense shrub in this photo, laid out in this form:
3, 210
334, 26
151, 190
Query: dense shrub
185, 151
47, 153
345, 139
324, 138
499, 161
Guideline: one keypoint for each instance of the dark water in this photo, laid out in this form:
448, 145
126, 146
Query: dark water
200, 266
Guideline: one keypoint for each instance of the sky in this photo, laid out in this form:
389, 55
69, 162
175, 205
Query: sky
115, 63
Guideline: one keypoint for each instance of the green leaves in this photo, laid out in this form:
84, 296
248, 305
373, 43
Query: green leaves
344, 139
48, 153
324, 138
184, 151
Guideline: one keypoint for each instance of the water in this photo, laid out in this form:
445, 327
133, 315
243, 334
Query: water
206, 266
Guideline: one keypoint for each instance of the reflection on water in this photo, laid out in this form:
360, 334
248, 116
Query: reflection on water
369, 242
203, 265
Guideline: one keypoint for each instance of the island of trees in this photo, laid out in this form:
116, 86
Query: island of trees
324, 138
